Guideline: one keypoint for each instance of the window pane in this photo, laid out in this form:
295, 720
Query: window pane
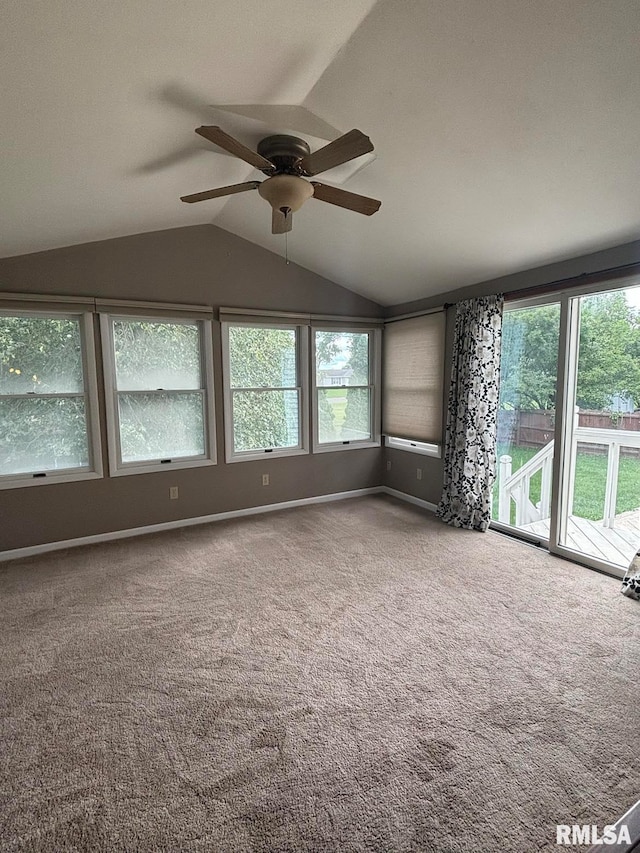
265, 419
152, 355
42, 434
344, 414
342, 358
40, 355
526, 417
161, 426
262, 358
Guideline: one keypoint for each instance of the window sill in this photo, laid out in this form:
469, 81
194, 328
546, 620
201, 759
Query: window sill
153, 467
435, 452
265, 456
353, 445
20, 481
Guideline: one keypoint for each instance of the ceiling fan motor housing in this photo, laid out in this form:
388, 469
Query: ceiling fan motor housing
285, 152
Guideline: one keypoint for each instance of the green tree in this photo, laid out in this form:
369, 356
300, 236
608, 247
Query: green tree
609, 356
41, 356
263, 358
357, 413
608, 363
529, 358
150, 357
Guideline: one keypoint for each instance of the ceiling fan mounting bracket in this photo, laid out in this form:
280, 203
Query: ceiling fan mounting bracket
285, 152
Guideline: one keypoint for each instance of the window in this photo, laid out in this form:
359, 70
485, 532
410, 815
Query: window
265, 391
158, 377
48, 411
345, 388
413, 383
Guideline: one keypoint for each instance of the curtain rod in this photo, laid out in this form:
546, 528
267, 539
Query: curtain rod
622, 271
574, 281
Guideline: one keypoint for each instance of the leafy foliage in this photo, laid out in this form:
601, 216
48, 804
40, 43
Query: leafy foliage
156, 355
41, 356
42, 434
609, 361
263, 358
357, 417
161, 426
44, 356
609, 358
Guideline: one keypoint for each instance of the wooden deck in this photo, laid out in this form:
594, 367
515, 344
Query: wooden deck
617, 544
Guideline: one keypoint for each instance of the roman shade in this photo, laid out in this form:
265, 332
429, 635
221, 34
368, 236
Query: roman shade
413, 362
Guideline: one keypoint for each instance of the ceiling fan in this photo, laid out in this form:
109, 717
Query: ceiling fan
287, 161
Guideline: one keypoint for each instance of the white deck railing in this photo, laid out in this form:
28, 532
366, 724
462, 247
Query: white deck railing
515, 486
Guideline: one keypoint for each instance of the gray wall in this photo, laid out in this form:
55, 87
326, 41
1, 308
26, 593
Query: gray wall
204, 264
200, 264
402, 475
628, 253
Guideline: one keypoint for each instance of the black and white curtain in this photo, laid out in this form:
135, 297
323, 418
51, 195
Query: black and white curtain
470, 439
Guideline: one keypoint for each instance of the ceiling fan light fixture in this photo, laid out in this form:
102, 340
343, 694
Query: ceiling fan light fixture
286, 192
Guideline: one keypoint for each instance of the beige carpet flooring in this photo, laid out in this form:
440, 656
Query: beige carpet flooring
353, 676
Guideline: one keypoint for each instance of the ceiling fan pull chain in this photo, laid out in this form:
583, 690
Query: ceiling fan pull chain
286, 247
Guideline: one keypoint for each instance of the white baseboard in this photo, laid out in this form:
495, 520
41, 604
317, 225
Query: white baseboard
34, 550
410, 499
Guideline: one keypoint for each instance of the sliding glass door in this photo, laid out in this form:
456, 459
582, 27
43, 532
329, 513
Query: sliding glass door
600, 495
526, 418
569, 426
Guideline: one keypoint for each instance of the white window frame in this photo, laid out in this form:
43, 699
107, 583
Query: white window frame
117, 467
93, 470
375, 377
423, 448
302, 365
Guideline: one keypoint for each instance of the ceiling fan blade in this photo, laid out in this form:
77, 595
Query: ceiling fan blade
348, 147
351, 201
223, 140
280, 223
221, 191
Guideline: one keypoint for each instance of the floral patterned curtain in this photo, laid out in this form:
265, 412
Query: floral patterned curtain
470, 439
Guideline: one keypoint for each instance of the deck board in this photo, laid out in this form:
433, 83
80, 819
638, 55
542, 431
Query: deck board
614, 544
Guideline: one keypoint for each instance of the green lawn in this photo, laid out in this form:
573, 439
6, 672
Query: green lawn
591, 478
338, 401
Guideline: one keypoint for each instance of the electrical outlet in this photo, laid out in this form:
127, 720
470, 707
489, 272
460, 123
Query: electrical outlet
388, 464
419, 473
265, 479
173, 493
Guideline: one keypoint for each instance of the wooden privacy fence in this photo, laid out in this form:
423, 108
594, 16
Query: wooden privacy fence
535, 428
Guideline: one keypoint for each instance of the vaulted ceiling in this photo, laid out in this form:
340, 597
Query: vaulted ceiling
506, 132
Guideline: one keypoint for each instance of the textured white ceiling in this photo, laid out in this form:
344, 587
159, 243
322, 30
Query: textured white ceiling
506, 131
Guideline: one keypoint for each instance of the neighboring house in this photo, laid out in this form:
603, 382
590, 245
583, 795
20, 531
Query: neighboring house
335, 376
622, 404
